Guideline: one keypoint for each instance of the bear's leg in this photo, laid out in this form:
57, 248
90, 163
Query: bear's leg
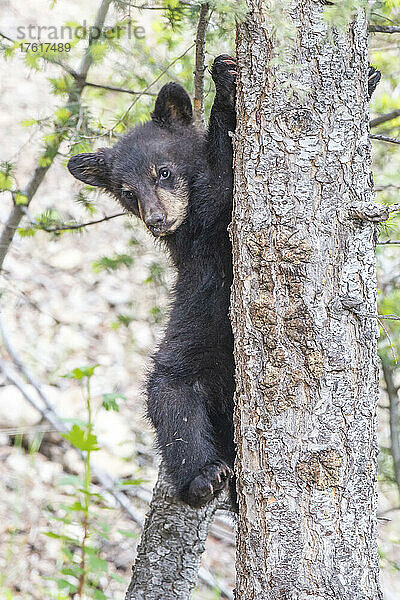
223, 117
185, 437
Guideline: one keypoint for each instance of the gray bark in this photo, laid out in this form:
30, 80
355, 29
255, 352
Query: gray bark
169, 554
303, 311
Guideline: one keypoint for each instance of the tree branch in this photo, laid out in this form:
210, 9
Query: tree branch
146, 7
384, 118
77, 76
169, 553
384, 138
384, 29
388, 242
112, 88
108, 132
76, 225
204, 18
394, 420
14, 219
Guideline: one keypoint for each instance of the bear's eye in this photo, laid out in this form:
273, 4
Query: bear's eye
128, 195
164, 173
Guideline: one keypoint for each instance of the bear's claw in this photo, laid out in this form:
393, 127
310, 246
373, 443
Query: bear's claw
224, 77
208, 484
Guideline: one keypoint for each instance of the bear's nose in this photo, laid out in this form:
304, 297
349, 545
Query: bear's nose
155, 220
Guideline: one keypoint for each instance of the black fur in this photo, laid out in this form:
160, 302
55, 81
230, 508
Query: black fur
191, 386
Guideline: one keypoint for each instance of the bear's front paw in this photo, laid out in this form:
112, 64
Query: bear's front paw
224, 73
208, 484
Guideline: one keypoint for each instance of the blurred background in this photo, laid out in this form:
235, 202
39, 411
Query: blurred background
82, 308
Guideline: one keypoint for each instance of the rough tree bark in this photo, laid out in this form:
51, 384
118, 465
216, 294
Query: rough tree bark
303, 310
169, 554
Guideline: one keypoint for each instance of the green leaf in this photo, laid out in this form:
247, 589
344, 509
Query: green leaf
75, 507
97, 564
73, 480
63, 115
6, 182
81, 372
20, 199
110, 401
63, 584
65, 538
81, 439
127, 533
118, 578
26, 231
98, 52
28, 122
74, 571
107, 263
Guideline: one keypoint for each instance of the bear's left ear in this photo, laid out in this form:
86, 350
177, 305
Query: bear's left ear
173, 105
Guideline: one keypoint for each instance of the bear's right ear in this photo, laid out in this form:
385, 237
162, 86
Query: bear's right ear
92, 167
173, 105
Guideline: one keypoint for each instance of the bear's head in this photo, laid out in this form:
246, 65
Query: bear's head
151, 169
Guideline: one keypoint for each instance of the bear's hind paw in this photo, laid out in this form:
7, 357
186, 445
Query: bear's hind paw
209, 483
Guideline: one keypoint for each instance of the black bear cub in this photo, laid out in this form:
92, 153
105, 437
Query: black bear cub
179, 181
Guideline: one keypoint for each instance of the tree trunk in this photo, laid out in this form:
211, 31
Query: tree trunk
171, 547
303, 309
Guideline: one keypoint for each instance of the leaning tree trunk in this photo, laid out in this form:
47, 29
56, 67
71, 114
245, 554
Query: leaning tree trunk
303, 309
170, 551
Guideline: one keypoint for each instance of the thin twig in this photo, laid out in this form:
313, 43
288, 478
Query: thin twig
76, 225
385, 138
49, 58
75, 75
204, 18
146, 7
3, 35
16, 214
389, 242
22, 369
381, 188
140, 94
384, 118
384, 29
112, 88
394, 420
388, 317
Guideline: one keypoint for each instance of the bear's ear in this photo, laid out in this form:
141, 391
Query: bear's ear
173, 105
92, 168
